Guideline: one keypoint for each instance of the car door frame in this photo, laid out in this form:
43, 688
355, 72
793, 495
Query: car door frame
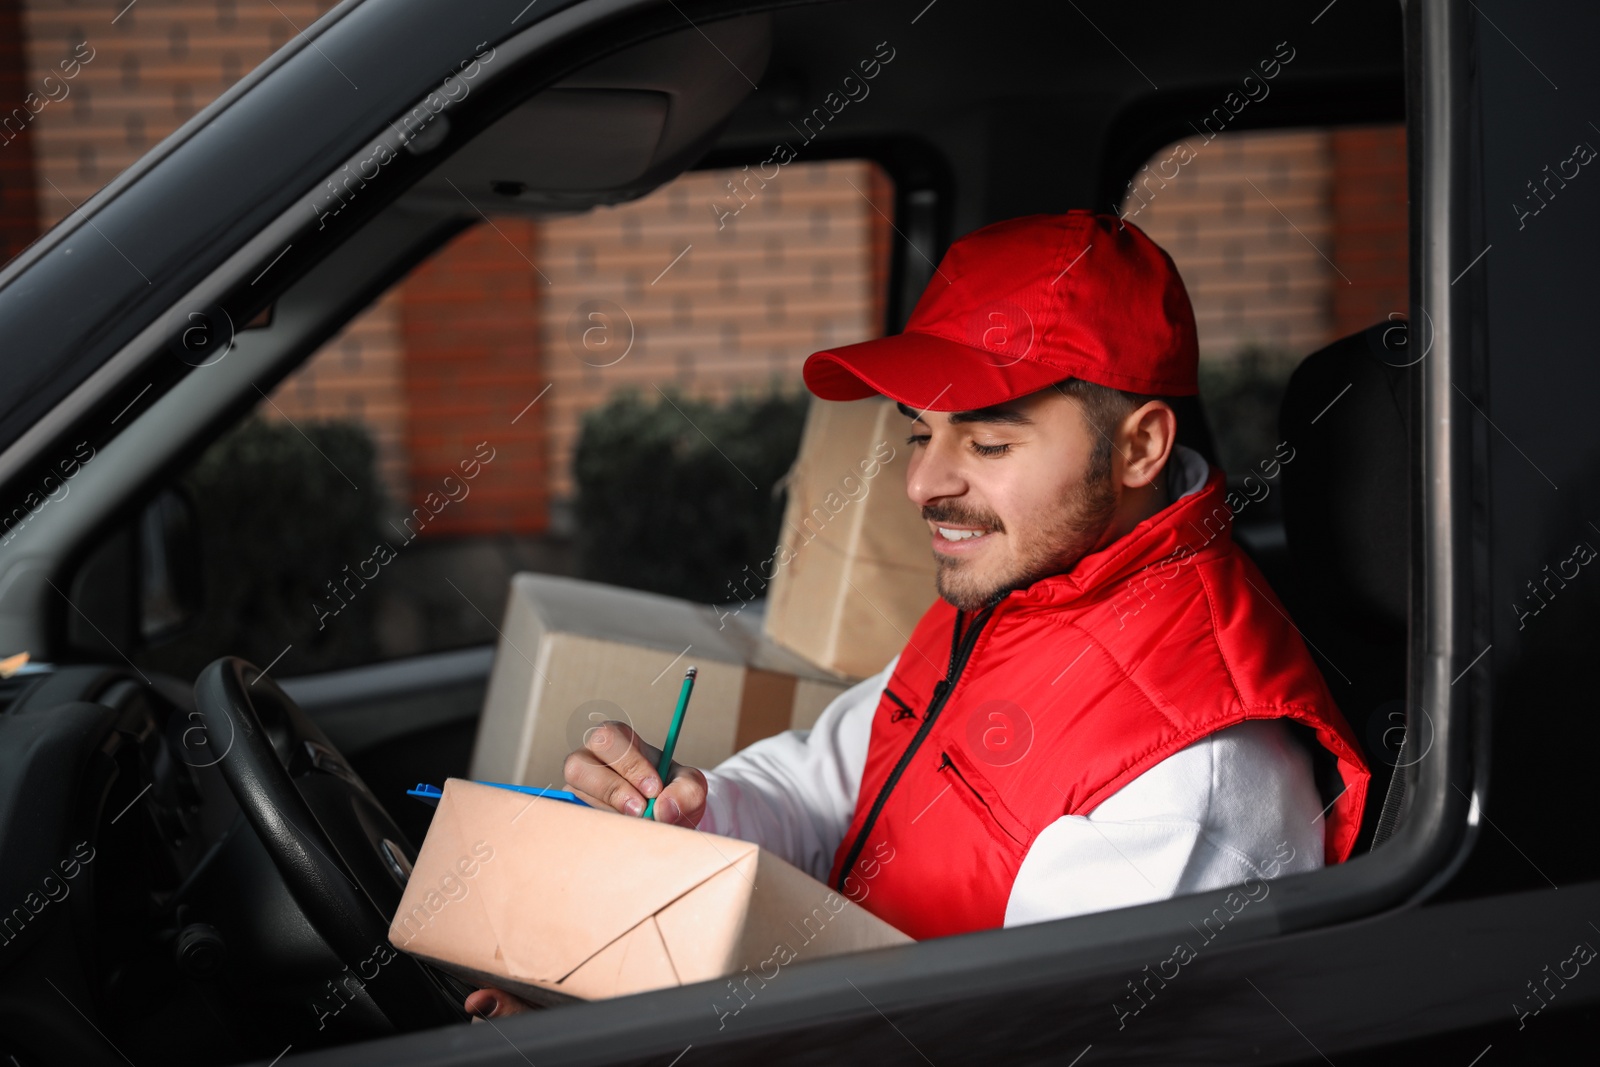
1065, 958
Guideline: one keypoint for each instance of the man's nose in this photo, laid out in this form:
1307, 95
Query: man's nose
934, 473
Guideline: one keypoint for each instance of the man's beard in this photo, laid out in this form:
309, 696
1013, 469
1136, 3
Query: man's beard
1084, 515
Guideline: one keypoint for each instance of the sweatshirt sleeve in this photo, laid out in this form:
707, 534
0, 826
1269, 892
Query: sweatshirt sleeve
794, 794
1238, 804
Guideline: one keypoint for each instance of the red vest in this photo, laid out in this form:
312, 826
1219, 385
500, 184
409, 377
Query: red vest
997, 723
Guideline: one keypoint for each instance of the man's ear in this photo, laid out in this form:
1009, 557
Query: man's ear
1145, 439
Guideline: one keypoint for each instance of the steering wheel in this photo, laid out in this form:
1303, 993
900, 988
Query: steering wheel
344, 860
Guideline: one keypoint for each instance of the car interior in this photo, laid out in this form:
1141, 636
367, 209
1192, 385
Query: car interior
984, 114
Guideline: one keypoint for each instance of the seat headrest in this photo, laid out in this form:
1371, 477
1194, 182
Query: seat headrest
1194, 430
1345, 492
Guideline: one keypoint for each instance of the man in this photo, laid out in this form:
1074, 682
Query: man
1097, 711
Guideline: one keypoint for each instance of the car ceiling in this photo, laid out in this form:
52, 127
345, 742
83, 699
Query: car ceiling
1028, 104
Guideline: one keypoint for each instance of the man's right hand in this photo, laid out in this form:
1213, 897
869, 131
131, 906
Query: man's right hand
616, 769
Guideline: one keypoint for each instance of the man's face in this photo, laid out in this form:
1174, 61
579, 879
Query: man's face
1009, 493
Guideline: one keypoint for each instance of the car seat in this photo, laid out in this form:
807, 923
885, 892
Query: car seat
1346, 519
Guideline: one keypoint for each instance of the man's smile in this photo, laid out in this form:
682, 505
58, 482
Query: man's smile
955, 540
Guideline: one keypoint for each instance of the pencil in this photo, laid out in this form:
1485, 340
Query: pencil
672, 735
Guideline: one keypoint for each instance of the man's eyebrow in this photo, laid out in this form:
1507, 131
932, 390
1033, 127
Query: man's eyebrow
1004, 416
1001, 415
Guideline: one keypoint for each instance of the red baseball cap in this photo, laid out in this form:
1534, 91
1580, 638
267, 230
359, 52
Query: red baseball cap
1018, 305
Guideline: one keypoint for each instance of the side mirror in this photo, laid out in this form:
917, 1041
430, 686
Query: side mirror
143, 585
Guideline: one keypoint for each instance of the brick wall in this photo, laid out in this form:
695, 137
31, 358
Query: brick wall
19, 207
470, 333
1249, 254
476, 333
359, 376
155, 63
152, 65
1285, 239
792, 272
1371, 241
456, 351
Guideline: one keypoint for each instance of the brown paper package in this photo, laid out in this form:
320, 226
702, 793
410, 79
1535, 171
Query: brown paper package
858, 570
574, 653
554, 902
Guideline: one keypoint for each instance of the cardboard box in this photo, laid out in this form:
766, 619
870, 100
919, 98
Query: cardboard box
555, 902
854, 570
573, 654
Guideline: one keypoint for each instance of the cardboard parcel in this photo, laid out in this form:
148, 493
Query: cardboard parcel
857, 571
554, 902
574, 653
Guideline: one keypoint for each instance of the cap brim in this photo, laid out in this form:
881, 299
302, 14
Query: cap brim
924, 372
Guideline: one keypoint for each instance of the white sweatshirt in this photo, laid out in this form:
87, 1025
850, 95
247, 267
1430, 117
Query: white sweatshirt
1210, 815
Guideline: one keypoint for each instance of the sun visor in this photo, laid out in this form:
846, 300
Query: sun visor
611, 132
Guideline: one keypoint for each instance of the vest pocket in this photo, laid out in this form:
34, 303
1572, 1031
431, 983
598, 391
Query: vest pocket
981, 797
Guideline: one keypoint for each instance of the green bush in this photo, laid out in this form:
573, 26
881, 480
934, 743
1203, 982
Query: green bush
278, 520
678, 496
1241, 398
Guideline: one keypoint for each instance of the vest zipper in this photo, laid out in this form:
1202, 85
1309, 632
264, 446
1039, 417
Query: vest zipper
961, 646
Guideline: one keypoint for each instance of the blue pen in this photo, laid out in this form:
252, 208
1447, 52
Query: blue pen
430, 794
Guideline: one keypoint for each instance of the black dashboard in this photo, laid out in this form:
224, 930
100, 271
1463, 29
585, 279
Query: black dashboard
131, 884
